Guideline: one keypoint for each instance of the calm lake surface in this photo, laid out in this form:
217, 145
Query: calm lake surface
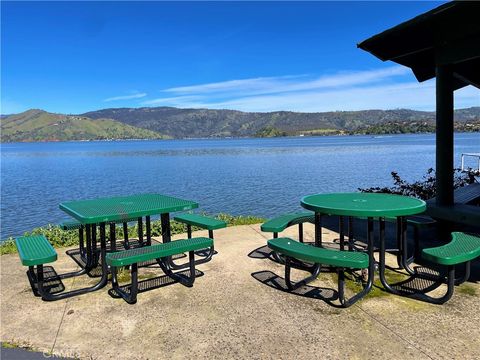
264, 177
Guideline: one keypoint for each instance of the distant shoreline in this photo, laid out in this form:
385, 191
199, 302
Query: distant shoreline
234, 137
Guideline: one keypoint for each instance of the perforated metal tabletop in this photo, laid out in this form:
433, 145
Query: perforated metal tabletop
124, 207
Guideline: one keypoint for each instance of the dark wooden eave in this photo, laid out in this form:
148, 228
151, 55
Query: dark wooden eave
448, 34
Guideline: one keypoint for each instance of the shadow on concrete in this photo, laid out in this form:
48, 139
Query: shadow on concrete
154, 283
278, 283
52, 283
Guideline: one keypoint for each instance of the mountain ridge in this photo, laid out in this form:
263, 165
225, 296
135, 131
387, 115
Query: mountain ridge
170, 122
181, 123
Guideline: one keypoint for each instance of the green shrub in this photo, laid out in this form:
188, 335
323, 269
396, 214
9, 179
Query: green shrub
422, 189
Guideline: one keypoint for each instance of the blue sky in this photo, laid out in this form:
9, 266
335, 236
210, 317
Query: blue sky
253, 56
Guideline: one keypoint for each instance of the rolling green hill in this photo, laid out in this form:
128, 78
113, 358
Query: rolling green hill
195, 123
38, 125
162, 122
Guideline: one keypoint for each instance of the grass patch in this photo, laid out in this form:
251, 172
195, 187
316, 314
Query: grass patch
12, 345
8, 247
467, 289
63, 238
124, 276
354, 284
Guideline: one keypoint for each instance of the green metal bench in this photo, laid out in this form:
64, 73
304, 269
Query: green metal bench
202, 222
460, 250
161, 253
35, 251
294, 250
282, 222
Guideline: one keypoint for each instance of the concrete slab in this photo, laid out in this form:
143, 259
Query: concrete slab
229, 313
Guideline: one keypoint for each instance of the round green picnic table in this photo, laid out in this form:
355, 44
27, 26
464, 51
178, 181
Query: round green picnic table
363, 204
369, 206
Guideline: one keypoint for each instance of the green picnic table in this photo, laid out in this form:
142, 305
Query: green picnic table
102, 211
370, 206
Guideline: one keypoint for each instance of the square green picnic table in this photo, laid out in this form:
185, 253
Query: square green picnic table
99, 212
113, 209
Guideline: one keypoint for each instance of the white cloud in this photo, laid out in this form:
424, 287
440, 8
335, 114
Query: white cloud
126, 97
172, 100
281, 84
388, 88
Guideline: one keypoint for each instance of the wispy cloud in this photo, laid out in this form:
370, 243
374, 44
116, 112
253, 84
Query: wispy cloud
392, 87
126, 97
173, 100
281, 84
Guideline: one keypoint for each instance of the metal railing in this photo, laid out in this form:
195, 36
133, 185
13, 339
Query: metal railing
475, 155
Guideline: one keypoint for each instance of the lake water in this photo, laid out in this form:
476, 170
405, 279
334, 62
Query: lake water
264, 177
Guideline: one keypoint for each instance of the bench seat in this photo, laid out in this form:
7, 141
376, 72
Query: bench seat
128, 257
294, 251
282, 222
70, 225
35, 250
162, 254
462, 248
201, 221
300, 251
418, 221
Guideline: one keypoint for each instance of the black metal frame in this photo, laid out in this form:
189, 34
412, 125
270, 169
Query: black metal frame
450, 279
316, 268
315, 271
130, 296
166, 237
37, 280
92, 258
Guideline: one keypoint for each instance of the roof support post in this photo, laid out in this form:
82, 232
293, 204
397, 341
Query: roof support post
444, 135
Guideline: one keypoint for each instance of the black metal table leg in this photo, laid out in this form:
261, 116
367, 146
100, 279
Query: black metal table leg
140, 231
400, 238
167, 237
94, 245
81, 241
341, 233
404, 260
300, 232
350, 233
89, 252
318, 229
125, 236
113, 239
149, 230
